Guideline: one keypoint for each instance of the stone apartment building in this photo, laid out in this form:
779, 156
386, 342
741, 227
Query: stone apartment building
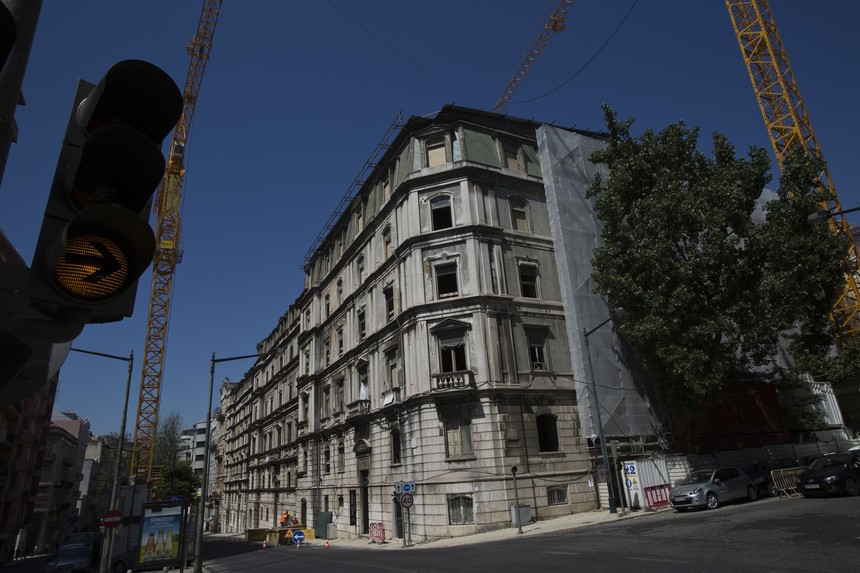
429, 346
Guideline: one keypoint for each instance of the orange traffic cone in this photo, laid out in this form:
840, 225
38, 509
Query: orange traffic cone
326, 543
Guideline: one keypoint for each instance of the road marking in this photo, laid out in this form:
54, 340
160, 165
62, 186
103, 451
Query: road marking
655, 559
560, 552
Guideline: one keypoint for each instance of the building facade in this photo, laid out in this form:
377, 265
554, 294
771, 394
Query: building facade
429, 346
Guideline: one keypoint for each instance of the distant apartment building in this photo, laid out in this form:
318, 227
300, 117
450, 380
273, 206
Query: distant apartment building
429, 347
57, 513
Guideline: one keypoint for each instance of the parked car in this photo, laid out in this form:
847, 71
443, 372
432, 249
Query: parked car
760, 473
831, 474
710, 488
76, 557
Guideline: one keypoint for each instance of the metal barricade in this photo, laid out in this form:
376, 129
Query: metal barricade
784, 480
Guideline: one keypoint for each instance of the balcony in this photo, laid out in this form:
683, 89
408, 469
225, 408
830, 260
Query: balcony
358, 409
453, 381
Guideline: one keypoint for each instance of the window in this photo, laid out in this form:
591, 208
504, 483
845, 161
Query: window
326, 306
528, 280
556, 496
388, 293
305, 408
440, 212
341, 459
452, 351
458, 438
537, 356
339, 334
340, 395
359, 217
326, 403
339, 291
359, 269
327, 460
395, 446
435, 151
327, 351
446, 280
386, 241
519, 215
547, 428
460, 510
510, 154
362, 382
362, 324
386, 189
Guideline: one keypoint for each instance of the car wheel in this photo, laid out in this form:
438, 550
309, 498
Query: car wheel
852, 487
752, 493
772, 490
712, 501
806, 495
119, 567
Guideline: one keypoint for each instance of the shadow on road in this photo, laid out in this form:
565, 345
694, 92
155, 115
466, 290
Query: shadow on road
220, 547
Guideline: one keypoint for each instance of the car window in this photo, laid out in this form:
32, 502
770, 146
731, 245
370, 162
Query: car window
827, 462
730, 473
68, 552
699, 476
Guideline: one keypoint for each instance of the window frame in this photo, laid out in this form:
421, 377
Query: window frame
547, 430
518, 205
450, 270
441, 212
461, 510
462, 447
432, 145
529, 278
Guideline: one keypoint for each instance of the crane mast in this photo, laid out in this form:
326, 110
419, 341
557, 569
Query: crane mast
556, 24
788, 126
168, 253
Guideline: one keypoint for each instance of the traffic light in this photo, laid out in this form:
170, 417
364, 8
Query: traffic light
95, 240
8, 34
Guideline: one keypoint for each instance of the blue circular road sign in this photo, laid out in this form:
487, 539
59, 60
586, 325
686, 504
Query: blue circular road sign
299, 536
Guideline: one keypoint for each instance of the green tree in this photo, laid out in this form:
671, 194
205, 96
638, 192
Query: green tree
167, 440
177, 479
711, 283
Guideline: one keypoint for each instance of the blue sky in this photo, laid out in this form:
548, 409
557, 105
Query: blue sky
297, 95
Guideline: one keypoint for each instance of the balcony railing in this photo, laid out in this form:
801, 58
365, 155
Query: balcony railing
459, 380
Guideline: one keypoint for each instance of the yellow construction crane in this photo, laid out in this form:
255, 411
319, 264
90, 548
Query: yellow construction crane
168, 253
556, 24
788, 126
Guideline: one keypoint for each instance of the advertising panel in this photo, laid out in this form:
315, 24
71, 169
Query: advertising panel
161, 534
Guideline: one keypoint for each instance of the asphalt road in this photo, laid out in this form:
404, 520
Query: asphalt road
785, 535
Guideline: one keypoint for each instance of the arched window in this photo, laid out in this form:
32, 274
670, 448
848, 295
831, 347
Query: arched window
556, 496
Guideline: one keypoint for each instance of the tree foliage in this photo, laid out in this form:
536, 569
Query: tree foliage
710, 283
167, 439
177, 479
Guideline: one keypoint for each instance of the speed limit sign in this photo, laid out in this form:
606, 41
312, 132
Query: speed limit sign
406, 500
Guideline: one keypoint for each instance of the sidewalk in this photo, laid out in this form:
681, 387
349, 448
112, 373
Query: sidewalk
563, 523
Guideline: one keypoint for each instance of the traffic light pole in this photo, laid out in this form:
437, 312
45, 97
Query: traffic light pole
204, 490
107, 546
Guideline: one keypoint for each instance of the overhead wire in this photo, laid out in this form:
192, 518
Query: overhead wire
394, 51
587, 62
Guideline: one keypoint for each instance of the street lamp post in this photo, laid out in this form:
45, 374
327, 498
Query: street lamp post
198, 545
107, 547
613, 508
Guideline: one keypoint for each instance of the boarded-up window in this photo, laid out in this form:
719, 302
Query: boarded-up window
519, 215
446, 280
435, 151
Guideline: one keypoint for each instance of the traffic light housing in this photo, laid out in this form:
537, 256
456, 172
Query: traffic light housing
95, 240
8, 34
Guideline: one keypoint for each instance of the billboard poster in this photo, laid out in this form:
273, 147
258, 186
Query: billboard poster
161, 534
